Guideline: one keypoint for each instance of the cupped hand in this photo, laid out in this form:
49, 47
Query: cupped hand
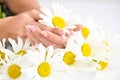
46, 37
49, 36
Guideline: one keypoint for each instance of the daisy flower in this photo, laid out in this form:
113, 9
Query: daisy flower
94, 49
3, 50
110, 67
2, 46
3, 54
92, 30
44, 68
94, 45
72, 60
58, 16
20, 47
2, 43
11, 68
74, 43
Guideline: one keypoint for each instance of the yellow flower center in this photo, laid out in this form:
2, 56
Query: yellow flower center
21, 52
106, 43
69, 58
44, 69
85, 32
14, 71
58, 22
2, 55
86, 49
107, 50
103, 64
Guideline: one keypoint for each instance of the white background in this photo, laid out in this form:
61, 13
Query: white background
105, 12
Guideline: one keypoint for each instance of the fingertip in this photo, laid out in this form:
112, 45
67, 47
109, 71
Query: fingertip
61, 32
28, 28
78, 27
58, 31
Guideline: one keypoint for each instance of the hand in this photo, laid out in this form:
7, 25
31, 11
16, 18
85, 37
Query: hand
46, 37
49, 36
15, 26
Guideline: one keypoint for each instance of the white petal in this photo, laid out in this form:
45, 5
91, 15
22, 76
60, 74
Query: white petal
3, 42
20, 43
14, 44
50, 51
46, 11
26, 44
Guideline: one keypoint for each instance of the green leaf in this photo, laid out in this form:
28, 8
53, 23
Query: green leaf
1, 16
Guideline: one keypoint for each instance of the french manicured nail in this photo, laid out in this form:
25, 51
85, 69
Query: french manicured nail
32, 28
44, 33
27, 28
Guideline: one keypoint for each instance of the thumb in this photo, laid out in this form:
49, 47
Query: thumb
34, 14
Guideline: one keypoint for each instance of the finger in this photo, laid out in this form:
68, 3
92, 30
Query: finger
42, 26
54, 30
45, 41
60, 46
37, 37
30, 34
34, 14
58, 31
78, 27
54, 37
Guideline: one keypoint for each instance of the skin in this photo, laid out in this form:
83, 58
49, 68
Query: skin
25, 24
15, 25
18, 6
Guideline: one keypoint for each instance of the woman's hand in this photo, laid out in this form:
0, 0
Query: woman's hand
46, 37
49, 36
15, 25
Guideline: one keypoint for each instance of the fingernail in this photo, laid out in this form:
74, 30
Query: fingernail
32, 28
72, 32
27, 28
44, 33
